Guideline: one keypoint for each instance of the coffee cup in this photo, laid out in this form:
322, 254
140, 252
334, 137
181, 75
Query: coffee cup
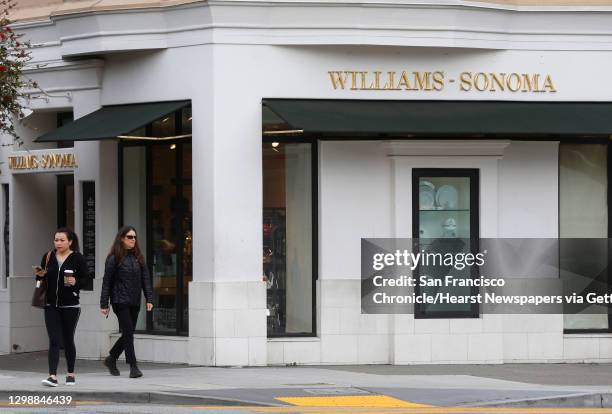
67, 274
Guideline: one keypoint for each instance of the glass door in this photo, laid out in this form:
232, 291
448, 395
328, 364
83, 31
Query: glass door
445, 221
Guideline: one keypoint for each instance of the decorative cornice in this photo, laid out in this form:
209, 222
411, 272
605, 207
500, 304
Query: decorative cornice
448, 23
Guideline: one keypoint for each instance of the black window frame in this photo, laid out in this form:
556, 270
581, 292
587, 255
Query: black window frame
6, 226
314, 154
474, 176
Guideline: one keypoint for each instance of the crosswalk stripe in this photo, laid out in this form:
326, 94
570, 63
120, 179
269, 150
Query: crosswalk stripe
374, 401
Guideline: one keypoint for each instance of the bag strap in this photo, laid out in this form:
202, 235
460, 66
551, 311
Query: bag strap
47, 260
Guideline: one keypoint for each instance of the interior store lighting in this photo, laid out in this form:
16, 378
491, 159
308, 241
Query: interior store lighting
283, 132
139, 138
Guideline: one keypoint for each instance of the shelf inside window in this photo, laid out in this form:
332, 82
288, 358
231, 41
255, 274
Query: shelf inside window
427, 210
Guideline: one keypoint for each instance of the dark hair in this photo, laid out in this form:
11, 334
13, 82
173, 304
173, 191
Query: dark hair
71, 236
119, 251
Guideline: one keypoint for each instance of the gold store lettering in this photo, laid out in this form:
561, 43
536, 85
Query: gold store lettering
33, 162
387, 81
436, 81
513, 82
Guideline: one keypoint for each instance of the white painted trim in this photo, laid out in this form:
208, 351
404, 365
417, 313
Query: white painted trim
489, 148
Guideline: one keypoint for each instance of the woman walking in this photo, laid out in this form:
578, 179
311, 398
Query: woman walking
125, 275
66, 272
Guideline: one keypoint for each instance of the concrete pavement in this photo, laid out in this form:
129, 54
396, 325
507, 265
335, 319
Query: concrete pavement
552, 385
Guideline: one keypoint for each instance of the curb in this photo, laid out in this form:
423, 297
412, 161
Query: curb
139, 398
578, 400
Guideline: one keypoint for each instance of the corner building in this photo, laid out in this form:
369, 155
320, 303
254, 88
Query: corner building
253, 144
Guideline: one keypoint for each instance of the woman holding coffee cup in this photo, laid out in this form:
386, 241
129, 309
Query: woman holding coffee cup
66, 273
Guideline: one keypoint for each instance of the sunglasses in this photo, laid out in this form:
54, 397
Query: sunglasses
130, 237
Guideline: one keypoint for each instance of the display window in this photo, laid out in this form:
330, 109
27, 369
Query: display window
289, 207
156, 198
445, 220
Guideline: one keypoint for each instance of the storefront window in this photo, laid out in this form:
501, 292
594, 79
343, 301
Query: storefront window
583, 213
186, 121
157, 200
135, 202
445, 220
288, 237
164, 127
187, 230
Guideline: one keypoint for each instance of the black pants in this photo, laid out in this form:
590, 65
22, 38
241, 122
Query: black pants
61, 324
127, 316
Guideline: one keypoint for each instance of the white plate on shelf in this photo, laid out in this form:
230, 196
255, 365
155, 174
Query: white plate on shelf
427, 195
447, 197
428, 184
426, 199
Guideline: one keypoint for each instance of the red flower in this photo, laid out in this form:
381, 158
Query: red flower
2, 36
3, 68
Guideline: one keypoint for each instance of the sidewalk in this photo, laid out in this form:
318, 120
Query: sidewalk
575, 385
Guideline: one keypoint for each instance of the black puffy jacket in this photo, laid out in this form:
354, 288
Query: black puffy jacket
57, 293
123, 282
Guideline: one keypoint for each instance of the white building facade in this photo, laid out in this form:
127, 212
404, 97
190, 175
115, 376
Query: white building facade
235, 156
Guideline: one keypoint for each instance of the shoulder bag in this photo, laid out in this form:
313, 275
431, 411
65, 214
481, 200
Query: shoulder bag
39, 297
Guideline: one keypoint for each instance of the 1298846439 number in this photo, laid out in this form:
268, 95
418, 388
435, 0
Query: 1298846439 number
40, 400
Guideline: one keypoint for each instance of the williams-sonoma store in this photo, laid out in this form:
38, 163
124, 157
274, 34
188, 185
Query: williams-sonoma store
254, 144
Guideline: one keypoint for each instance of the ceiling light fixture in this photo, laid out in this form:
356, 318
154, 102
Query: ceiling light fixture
284, 132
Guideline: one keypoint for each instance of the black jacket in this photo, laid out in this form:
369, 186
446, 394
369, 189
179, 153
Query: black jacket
57, 293
123, 281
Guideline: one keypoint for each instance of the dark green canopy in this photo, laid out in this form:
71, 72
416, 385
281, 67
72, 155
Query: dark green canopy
112, 121
368, 117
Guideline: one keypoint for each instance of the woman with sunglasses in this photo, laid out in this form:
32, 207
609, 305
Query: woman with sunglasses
125, 276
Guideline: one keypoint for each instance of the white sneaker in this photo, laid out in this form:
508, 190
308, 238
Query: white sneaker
50, 382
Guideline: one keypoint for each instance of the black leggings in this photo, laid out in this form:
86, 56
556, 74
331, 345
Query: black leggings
61, 324
127, 316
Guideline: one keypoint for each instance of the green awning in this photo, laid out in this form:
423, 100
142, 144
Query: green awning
470, 118
112, 121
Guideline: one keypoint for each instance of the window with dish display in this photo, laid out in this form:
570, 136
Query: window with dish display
445, 220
